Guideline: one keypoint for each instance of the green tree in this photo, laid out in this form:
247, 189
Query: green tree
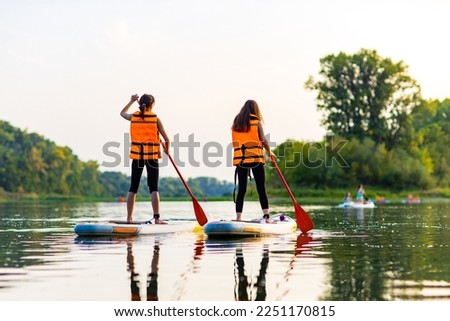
431, 142
364, 95
114, 184
211, 186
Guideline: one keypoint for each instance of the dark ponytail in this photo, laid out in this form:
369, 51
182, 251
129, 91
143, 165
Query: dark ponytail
145, 102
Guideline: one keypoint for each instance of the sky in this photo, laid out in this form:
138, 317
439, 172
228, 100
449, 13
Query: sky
67, 68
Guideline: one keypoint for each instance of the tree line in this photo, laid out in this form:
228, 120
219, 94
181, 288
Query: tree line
381, 131
30, 163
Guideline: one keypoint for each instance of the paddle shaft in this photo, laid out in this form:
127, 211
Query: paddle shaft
283, 179
181, 177
178, 171
198, 210
304, 222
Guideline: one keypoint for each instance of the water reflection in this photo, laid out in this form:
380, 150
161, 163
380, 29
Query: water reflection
247, 288
357, 219
392, 252
152, 277
191, 268
243, 286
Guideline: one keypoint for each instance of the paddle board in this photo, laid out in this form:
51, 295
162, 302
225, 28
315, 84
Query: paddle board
281, 224
368, 204
122, 228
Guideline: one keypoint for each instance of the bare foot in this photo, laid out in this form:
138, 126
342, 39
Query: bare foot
158, 221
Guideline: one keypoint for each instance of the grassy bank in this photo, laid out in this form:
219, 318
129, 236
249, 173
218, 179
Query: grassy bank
336, 195
276, 196
7, 197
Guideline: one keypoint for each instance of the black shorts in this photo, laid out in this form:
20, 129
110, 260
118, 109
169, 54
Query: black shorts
137, 167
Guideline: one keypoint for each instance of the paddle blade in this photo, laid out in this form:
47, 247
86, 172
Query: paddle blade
199, 213
304, 222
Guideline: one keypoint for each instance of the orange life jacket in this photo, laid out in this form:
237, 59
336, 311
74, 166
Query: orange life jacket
145, 142
248, 148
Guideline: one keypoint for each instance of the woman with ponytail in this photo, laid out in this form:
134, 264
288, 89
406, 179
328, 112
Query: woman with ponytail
145, 129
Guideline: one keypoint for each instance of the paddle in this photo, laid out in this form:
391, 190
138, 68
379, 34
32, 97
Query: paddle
304, 222
198, 210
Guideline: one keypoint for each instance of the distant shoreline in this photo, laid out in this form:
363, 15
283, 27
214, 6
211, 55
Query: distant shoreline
303, 197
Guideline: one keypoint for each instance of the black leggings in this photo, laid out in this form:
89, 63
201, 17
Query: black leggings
137, 167
260, 180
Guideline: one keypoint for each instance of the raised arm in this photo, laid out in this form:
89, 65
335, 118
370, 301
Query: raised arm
162, 131
124, 113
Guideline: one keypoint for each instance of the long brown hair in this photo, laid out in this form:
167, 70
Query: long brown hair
241, 122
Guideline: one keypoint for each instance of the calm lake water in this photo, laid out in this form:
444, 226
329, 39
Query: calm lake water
392, 252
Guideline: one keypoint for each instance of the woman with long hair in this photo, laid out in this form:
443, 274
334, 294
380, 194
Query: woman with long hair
145, 151
249, 143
